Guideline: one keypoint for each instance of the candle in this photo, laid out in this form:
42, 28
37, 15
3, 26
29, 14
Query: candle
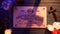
8, 31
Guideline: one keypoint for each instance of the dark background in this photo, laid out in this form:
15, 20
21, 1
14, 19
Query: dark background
50, 19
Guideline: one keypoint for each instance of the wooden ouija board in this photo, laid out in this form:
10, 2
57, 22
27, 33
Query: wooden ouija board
30, 17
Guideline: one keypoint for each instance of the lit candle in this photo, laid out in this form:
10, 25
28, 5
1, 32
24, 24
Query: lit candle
8, 31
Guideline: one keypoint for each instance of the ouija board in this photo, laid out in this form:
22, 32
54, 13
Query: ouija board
30, 17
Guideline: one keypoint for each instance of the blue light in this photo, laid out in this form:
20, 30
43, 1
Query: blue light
7, 3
